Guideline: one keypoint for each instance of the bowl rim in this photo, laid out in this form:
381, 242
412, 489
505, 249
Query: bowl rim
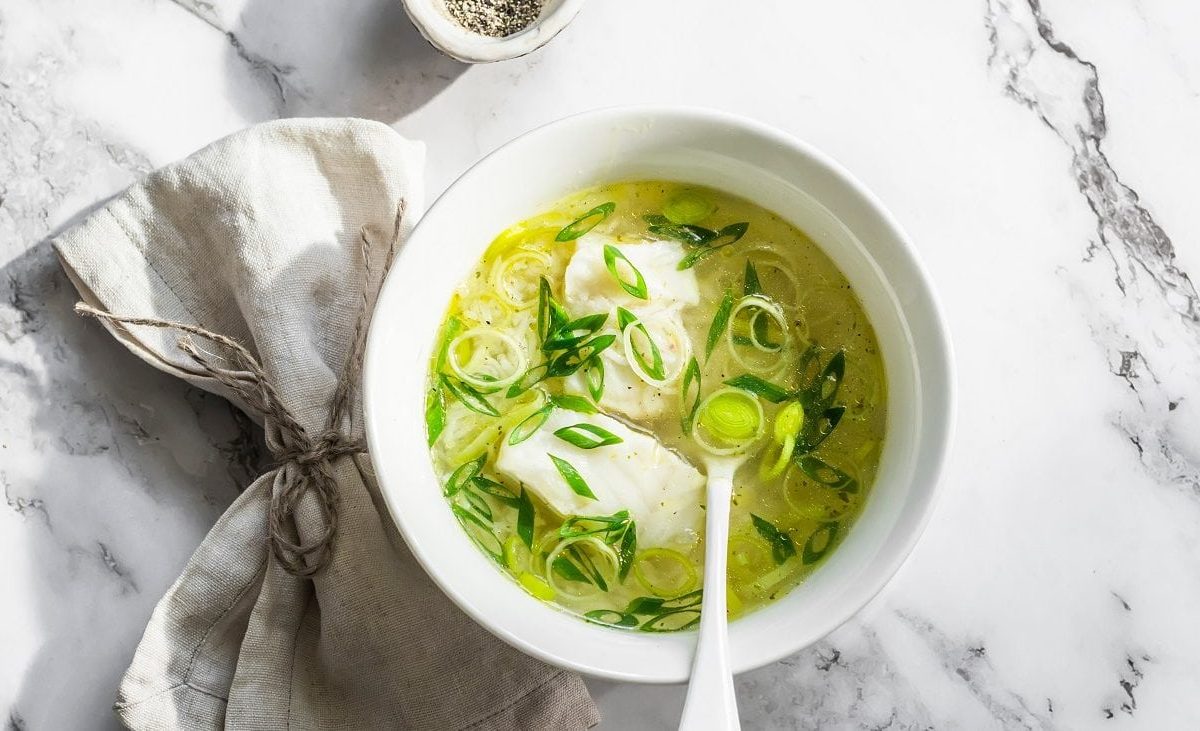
464, 45
940, 413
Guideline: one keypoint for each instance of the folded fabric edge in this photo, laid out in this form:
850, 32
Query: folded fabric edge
560, 702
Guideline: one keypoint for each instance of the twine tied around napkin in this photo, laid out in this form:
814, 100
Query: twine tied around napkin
253, 247
303, 461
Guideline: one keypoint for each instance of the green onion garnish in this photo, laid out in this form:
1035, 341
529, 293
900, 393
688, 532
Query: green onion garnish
750, 283
626, 551
782, 547
654, 368
688, 207
823, 390
760, 387
675, 621
612, 618
451, 329
572, 477
636, 288
587, 436
570, 361
727, 236
525, 516
479, 532
532, 377
569, 571
574, 332
478, 504
818, 430
720, 321
819, 543
593, 375
471, 398
578, 526
685, 234
496, 490
529, 426
823, 473
656, 219
687, 412
574, 403
586, 222
463, 474
435, 413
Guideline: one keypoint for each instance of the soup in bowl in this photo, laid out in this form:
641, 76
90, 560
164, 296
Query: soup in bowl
552, 360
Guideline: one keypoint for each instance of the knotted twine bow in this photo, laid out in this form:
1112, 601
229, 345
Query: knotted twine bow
303, 460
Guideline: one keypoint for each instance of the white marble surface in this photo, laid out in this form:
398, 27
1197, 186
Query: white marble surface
1042, 157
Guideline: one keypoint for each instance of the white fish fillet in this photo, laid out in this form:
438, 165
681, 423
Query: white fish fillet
590, 287
661, 491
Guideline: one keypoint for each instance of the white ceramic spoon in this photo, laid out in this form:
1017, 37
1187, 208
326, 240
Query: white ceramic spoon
711, 704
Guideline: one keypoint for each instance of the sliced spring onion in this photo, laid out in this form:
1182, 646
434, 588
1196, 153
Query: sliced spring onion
528, 380
479, 532
587, 436
656, 219
686, 234
769, 469
758, 306
587, 525
530, 425
765, 258
463, 474
819, 543
516, 555
719, 323
469, 397
688, 206
571, 360
818, 430
536, 586
637, 288
586, 222
575, 332
823, 473
551, 315
477, 503
452, 328
689, 402
760, 387
612, 618
782, 547
510, 360
525, 518
627, 551
687, 576
593, 376
733, 418
570, 560
678, 620
727, 236
508, 272
788, 423
572, 477
435, 413
822, 392
750, 283
496, 490
574, 403
648, 368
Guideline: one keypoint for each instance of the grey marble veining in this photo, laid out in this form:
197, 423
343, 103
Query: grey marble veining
1040, 153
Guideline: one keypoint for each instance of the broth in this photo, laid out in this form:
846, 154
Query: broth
599, 350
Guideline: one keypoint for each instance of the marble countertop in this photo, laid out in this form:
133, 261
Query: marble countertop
1042, 155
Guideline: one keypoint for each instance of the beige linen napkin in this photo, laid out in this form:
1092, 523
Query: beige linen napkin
257, 237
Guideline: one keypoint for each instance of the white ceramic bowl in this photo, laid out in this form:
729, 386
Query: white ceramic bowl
701, 147
434, 22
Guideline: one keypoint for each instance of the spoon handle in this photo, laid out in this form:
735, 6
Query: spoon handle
711, 703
